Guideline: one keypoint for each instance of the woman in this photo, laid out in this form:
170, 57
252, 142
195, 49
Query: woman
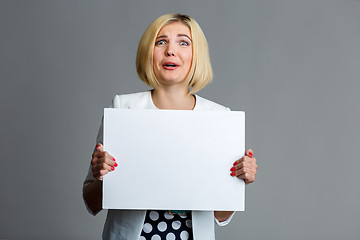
173, 59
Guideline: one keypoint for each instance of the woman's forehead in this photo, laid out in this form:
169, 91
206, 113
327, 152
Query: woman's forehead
177, 27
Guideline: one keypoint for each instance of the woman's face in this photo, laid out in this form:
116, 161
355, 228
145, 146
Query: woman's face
172, 54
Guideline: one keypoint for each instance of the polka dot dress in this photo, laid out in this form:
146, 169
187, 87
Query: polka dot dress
161, 225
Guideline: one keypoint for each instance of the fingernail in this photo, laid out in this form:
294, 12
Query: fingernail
235, 163
112, 168
232, 169
250, 154
115, 164
232, 173
114, 159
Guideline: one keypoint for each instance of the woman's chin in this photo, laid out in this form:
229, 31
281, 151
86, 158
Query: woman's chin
172, 82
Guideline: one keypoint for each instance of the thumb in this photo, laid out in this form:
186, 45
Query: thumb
99, 147
249, 152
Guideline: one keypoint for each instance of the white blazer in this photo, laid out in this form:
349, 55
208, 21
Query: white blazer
127, 224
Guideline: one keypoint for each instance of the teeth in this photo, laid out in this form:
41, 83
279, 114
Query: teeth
170, 65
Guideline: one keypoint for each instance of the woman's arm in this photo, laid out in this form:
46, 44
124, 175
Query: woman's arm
244, 168
222, 215
101, 164
92, 195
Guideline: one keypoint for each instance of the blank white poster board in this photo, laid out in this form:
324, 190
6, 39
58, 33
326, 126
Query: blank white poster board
173, 159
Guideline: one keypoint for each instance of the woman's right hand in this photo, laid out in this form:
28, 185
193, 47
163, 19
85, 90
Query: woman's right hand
102, 162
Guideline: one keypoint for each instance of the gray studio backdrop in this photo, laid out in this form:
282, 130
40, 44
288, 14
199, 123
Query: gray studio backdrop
293, 66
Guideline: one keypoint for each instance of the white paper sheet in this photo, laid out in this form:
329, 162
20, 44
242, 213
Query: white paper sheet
174, 159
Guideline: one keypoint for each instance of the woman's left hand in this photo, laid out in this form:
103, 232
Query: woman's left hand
245, 168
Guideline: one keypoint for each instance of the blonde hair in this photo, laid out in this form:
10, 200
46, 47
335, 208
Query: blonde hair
200, 73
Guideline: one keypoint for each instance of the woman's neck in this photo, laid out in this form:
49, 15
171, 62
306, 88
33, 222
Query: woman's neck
169, 98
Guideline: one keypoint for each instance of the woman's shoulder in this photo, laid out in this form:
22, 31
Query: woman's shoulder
132, 100
208, 105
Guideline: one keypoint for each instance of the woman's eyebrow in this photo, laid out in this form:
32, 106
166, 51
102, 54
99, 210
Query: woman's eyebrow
184, 35
179, 35
162, 36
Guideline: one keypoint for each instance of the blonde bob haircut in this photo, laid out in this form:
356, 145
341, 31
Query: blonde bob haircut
200, 73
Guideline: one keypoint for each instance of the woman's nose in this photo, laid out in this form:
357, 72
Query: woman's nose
170, 51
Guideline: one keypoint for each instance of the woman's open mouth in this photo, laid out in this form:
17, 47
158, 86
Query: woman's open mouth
170, 66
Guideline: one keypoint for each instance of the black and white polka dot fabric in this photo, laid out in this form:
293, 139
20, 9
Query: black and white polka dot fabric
161, 225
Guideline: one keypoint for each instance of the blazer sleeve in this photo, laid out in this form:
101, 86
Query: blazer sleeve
99, 139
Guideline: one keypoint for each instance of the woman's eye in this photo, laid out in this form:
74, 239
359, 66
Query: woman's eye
161, 42
183, 43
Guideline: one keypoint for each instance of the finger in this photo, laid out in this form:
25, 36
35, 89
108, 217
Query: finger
102, 160
247, 181
240, 165
244, 160
102, 166
249, 163
101, 157
99, 175
98, 155
103, 172
244, 170
249, 153
248, 178
247, 159
237, 162
99, 147
110, 160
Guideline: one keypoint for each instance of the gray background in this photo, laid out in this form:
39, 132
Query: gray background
293, 66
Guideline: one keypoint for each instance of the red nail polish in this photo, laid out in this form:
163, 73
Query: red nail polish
112, 168
250, 154
232, 173
115, 164
235, 163
114, 159
232, 169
